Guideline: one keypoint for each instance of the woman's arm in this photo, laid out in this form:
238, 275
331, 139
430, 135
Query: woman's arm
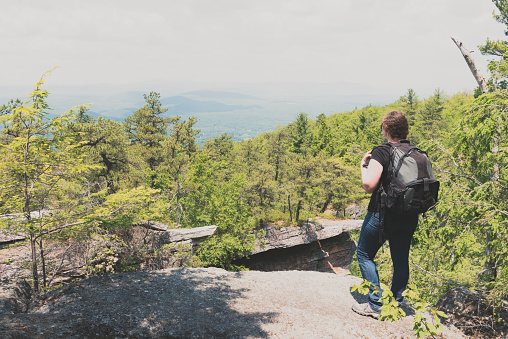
371, 174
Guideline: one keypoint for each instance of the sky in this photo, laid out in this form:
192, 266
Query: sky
261, 47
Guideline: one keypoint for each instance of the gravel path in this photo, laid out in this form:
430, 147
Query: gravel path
204, 303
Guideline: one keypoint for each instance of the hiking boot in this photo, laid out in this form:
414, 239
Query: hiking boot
366, 310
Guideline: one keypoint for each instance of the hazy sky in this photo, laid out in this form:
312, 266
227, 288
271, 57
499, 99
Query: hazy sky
385, 46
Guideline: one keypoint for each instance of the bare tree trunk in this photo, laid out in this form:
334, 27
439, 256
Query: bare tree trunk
277, 169
289, 208
495, 150
325, 205
33, 241
469, 60
490, 259
28, 216
43, 262
298, 208
177, 203
33, 249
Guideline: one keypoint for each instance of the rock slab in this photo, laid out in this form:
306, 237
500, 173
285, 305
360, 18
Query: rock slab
203, 303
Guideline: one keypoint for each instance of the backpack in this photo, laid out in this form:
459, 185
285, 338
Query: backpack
410, 187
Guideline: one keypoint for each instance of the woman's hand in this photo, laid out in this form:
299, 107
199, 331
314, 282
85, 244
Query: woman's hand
366, 159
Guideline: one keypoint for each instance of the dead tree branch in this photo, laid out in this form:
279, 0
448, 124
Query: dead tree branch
469, 60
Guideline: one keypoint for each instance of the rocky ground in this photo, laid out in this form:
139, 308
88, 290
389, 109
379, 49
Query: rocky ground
201, 303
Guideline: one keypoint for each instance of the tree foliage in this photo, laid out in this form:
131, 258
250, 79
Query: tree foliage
37, 160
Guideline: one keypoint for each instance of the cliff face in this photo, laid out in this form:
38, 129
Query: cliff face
203, 303
322, 246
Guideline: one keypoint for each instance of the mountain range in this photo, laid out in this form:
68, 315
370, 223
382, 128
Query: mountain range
242, 115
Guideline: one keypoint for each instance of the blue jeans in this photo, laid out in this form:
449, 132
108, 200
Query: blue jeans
399, 232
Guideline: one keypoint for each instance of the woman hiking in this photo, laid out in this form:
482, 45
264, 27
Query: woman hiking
397, 229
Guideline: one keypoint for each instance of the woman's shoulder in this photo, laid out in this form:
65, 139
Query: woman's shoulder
382, 153
384, 148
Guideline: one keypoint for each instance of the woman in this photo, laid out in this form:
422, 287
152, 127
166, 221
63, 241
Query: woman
397, 229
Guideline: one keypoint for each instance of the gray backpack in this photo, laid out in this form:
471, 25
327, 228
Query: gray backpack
410, 187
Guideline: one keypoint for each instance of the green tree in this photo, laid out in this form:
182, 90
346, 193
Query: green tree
254, 160
430, 116
482, 139
323, 136
298, 177
178, 152
337, 186
410, 103
220, 148
36, 159
498, 49
105, 143
301, 136
215, 197
464, 240
276, 151
147, 129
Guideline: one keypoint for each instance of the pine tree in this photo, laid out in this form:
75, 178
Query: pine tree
301, 135
105, 143
430, 116
410, 105
323, 137
148, 130
178, 152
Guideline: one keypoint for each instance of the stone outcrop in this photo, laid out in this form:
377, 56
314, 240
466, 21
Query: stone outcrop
291, 236
321, 246
324, 245
153, 225
190, 236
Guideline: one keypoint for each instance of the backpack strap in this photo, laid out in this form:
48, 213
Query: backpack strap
391, 164
382, 208
382, 194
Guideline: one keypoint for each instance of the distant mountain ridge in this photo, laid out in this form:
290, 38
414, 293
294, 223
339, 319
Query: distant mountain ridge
242, 115
182, 105
220, 94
